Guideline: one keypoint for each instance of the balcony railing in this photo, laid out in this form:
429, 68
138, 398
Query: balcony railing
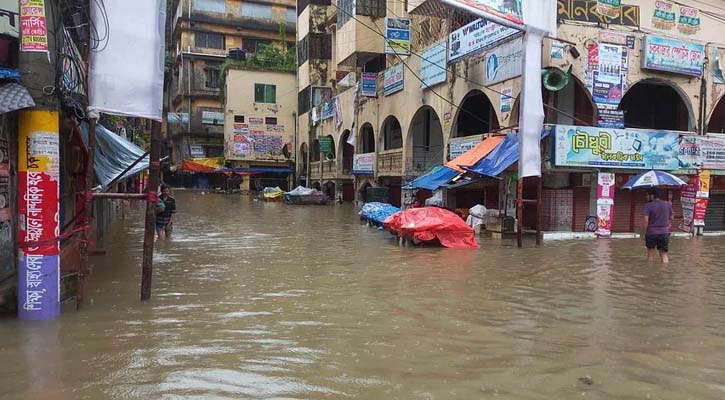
390, 162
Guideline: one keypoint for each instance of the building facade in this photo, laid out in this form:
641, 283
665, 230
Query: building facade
649, 66
259, 127
204, 34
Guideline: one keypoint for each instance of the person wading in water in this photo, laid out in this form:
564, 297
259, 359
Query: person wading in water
165, 208
658, 214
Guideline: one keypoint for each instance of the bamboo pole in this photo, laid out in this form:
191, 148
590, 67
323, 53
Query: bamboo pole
148, 241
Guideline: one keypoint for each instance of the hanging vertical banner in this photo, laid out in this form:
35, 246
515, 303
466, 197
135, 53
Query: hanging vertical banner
605, 203
664, 15
397, 36
507, 99
38, 212
370, 84
689, 22
609, 8
33, 28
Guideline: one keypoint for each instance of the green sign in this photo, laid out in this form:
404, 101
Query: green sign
325, 145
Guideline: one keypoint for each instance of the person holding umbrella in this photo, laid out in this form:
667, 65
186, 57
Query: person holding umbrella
657, 213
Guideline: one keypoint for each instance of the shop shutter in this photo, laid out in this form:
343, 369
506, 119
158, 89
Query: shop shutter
677, 207
715, 216
621, 222
581, 208
639, 197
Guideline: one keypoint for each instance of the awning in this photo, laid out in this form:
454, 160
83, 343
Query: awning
194, 166
503, 156
13, 97
475, 155
113, 154
435, 178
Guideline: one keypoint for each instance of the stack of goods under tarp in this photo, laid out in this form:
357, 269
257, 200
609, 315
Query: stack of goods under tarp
431, 224
272, 193
376, 213
305, 196
481, 216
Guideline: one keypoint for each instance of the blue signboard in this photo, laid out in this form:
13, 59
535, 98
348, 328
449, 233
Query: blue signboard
370, 84
393, 79
397, 36
588, 146
674, 56
433, 66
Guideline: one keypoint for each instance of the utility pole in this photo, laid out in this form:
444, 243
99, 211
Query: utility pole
38, 183
148, 239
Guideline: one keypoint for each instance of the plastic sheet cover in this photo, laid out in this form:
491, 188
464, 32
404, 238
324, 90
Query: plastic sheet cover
377, 212
113, 154
431, 223
502, 157
437, 177
126, 74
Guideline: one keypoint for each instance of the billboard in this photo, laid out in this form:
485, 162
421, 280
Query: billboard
477, 36
675, 56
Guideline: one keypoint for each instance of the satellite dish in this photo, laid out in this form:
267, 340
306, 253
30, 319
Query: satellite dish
555, 79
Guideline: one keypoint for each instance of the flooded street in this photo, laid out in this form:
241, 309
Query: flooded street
257, 300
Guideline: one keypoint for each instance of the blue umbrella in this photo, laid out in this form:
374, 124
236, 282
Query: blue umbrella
653, 178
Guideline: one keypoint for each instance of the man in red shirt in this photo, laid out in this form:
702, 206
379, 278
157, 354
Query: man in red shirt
658, 214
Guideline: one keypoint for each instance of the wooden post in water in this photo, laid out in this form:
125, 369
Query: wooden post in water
150, 230
87, 210
520, 212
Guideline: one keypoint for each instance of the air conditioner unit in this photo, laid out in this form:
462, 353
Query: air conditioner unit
237, 54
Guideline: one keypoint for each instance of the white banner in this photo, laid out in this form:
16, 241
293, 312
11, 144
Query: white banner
532, 108
127, 70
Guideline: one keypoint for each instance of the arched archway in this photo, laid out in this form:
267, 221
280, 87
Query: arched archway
475, 115
332, 154
367, 139
347, 151
716, 123
392, 134
425, 140
329, 189
315, 155
657, 104
574, 101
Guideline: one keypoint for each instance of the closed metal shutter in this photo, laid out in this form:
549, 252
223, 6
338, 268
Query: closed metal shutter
621, 221
581, 208
715, 216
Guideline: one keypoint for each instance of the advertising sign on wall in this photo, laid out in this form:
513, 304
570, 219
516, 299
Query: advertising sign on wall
34, 31
664, 15
507, 99
504, 62
397, 35
510, 10
610, 118
433, 66
583, 146
477, 36
605, 203
370, 84
363, 164
702, 152
393, 79
609, 8
662, 54
689, 22
457, 148
197, 151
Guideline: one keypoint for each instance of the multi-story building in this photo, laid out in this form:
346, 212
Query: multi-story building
204, 35
649, 67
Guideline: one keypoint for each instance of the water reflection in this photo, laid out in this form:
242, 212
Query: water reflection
262, 300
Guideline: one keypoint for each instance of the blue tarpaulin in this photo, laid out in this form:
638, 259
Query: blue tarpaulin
113, 154
502, 157
377, 212
438, 176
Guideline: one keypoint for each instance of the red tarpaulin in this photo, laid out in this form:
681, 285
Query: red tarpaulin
429, 223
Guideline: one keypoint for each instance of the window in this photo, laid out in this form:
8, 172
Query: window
270, 120
212, 72
321, 95
291, 15
345, 11
314, 46
303, 50
264, 93
216, 6
251, 45
214, 151
209, 40
303, 100
255, 10
370, 8
239, 119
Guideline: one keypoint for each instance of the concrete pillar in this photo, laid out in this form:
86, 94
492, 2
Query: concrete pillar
38, 209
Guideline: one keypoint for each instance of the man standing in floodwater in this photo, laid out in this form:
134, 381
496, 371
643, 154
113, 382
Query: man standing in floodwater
166, 207
658, 214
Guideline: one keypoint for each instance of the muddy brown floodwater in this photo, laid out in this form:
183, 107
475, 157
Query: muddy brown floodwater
257, 300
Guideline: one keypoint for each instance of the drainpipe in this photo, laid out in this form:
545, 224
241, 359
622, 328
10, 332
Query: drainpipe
703, 106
